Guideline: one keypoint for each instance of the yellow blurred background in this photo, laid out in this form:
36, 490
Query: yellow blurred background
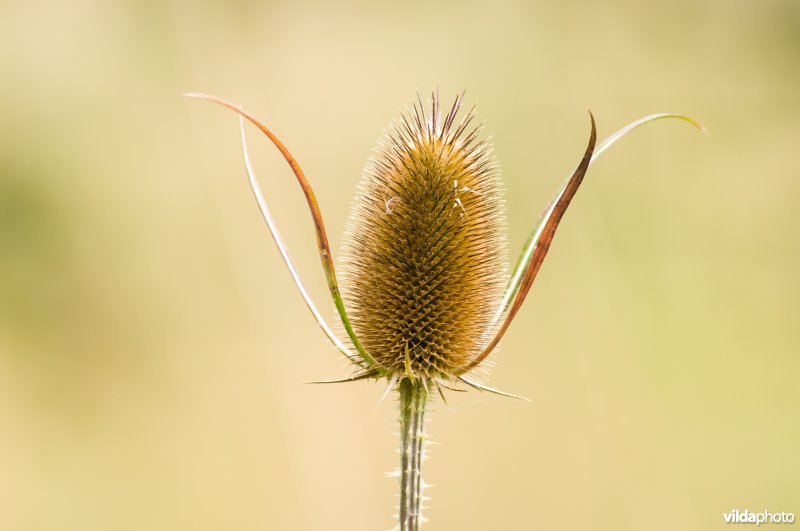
153, 349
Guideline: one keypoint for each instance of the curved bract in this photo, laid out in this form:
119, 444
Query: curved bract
542, 245
326, 257
284, 251
534, 249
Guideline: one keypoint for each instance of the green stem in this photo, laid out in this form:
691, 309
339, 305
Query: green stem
413, 402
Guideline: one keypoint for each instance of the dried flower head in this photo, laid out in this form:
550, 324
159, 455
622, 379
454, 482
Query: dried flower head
424, 252
427, 293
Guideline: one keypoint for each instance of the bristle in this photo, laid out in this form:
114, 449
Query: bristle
424, 250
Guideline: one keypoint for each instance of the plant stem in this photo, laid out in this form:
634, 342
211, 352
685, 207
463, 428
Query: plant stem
413, 402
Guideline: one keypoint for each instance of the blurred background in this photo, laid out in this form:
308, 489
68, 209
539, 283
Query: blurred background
153, 348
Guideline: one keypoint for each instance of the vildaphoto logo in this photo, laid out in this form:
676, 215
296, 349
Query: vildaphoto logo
746, 517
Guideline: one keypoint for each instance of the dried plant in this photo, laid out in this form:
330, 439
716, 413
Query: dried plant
427, 292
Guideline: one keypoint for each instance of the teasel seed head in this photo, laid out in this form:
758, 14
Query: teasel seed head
424, 254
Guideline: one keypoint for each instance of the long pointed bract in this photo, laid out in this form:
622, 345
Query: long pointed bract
486, 388
325, 254
542, 245
371, 373
530, 244
608, 142
284, 252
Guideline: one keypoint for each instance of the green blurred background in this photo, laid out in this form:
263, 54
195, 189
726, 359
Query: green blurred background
152, 347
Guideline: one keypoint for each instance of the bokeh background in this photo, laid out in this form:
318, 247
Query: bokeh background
153, 349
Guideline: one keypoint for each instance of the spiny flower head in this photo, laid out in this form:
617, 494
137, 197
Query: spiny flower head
424, 252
